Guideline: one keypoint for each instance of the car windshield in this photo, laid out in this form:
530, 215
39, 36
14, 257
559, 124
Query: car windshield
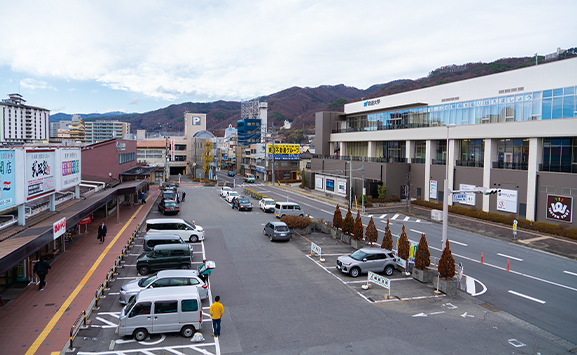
147, 281
282, 229
269, 202
243, 200
358, 255
233, 193
171, 204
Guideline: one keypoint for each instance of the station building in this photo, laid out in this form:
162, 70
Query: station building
514, 131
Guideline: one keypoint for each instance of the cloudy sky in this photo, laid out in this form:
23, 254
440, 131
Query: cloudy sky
138, 56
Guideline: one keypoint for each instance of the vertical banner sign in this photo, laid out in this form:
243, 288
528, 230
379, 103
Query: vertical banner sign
319, 184
172, 150
70, 168
560, 208
433, 189
39, 173
7, 183
59, 227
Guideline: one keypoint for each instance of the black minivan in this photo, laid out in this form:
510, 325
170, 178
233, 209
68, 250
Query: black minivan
165, 256
151, 240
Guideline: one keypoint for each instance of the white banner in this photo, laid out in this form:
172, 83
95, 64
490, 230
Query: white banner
39, 173
70, 168
507, 200
433, 189
59, 227
319, 183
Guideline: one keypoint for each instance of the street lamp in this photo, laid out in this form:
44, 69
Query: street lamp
446, 193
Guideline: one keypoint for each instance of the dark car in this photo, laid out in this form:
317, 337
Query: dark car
165, 256
242, 203
277, 231
168, 195
231, 173
168, 207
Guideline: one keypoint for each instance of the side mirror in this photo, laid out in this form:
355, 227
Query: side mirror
364, 259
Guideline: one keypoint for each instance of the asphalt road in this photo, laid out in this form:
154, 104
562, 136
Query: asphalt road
277, 300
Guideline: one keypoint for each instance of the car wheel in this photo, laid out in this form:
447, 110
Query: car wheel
143, 270
264, 231
389, 270
187, 331
355, 272
140, 334
271, 237
193, 238
185, 266
301, 215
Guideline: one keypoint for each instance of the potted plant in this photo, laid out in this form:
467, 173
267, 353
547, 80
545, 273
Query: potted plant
337, 223
403, 249
371, 235
357, 241
422, 261
348, 227
388, 238
445, 281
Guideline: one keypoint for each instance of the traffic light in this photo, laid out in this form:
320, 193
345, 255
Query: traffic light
492, 191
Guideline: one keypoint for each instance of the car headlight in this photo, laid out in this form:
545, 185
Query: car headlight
345, 263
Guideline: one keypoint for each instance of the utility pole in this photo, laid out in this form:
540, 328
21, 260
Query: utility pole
351, 183
272, 138
363, 188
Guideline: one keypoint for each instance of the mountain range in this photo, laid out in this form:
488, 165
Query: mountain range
298, 105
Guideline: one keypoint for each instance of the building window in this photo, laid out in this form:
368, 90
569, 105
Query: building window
420, 152
512, 154
560, 155
126, 157
472, 153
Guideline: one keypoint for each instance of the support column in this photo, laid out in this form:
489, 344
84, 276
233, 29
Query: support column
372, 149
409, 150
77, 192
489, 158
535, 156
332, 148
52, 202
343, 148
451, 163
431, 148
21, 215
117, 209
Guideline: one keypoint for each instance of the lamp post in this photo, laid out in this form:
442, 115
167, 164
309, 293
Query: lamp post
446, 193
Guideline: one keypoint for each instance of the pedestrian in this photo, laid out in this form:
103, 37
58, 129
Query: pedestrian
183, 195
216, 311
178, 197
143, 197
41, 269
233, 201
204, 271
101, 232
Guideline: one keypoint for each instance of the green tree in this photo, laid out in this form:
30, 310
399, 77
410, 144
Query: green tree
358, 229
348, 223
337, 218
447, 263
423, 256
403, 250
382, 191
207, 156
371, 235
388, 238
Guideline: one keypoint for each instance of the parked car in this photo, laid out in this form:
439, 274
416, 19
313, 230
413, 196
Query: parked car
277, 231
152, 239
367, 259
242, 203
169, 195
266, 204
249, 178
164, 278
224, 190
168, 207
231, 173
165, 256
230, 195
288, 208
187, 231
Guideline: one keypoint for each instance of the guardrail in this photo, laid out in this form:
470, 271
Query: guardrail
81, 322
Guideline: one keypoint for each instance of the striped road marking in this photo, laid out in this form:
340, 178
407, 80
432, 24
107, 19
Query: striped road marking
527, 297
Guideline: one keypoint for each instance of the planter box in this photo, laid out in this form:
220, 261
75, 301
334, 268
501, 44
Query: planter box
335, 233
345, 238
423, 276
357, 244
448, 287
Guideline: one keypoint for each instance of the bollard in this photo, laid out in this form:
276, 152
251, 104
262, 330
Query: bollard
84, 316
507, 264
481, 257
71, 337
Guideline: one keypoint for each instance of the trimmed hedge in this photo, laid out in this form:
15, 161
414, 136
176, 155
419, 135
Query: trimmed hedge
256, 195
296, 221
549, 228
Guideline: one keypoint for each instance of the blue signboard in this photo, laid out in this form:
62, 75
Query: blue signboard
7, 183
330, 184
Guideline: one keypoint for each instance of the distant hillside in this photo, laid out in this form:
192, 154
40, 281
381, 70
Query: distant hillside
298, 105
85, 117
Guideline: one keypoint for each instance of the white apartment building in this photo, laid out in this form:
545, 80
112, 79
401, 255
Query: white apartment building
21, 123
99, 131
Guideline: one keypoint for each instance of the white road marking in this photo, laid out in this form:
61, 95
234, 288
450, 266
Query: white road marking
449, 306
406, 219
570, 273
516, 343
390, 223
509, 257
527, 297
383, 215
325, 211
471, 286
465, 315
416, 231
432, 314
418, 220
420, 315
395, 217
459, 243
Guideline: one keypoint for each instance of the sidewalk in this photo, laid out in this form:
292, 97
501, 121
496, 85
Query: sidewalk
39, 322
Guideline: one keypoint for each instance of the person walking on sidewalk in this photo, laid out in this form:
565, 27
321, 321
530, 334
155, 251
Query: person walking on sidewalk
102, 232
216, 311
183, 195
41, 269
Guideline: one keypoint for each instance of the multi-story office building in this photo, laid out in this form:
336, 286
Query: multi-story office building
515, 131
20, 123
99, 131
248, 131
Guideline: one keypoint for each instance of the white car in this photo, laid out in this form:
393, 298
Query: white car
230, 195
266, 204
224, 190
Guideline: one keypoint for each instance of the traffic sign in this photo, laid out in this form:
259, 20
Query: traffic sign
460, 198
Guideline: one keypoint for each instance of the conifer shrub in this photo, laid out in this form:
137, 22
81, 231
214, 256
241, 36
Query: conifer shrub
371, 235
423, 255
404, 245
388, 238
338, 218
447, 263
358, 229
348, 223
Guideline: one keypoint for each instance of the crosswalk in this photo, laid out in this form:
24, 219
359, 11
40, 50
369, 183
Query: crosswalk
395, 217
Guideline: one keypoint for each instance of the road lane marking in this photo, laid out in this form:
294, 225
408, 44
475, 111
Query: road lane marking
509, 257
419, 232
383, 215
459, 243
527, 297
327, 212
406, 219
570, 273
527, 241
395, 217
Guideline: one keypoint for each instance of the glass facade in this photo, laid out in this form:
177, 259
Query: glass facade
512, 154
539, 105
560, 155
472, 153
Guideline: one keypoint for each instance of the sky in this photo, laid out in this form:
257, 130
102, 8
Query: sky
139, 56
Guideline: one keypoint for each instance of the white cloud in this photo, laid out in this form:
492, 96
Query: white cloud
243, 49
34, 84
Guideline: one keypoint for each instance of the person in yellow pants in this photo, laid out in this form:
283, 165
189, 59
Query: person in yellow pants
216, 311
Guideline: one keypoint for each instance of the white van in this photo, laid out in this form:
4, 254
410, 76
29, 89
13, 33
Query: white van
161, 310
178, 226
288, 208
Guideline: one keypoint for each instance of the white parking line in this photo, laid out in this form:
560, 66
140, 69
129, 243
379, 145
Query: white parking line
406, 219
570, 273
509, 257
383, 216
419, 232
527, 297
327, 212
